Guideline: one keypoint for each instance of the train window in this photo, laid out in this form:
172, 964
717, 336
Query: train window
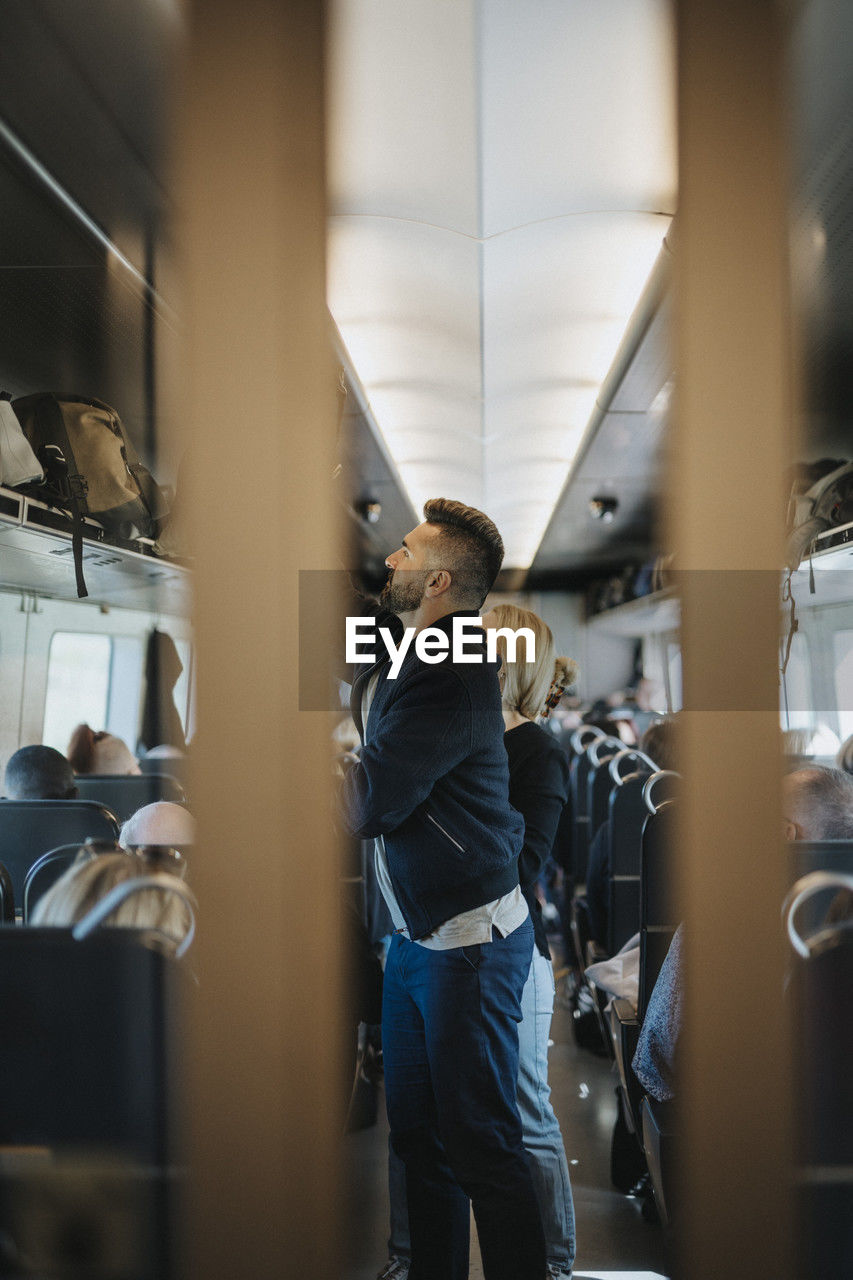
126, 665
78, 682
843, 654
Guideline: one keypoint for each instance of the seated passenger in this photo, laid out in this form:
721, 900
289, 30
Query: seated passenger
39, 773
102, 752
90, 879
165, 752
161, 823
818, 804
654, 1060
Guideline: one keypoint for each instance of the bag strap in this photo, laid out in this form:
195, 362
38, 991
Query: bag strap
77, 488
118, 894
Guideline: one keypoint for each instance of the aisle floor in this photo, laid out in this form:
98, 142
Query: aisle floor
614, 1241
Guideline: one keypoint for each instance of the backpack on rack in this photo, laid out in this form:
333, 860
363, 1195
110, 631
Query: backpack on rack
91, 469
821, 498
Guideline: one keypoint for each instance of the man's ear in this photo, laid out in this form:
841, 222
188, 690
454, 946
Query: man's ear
438, 582
793, 830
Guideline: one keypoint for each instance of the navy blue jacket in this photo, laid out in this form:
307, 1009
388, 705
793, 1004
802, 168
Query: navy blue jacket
433, 780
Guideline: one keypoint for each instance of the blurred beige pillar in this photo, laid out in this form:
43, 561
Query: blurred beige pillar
731, 442
264, 1090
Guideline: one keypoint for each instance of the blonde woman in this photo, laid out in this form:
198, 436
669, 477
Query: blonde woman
538, 789
159, 906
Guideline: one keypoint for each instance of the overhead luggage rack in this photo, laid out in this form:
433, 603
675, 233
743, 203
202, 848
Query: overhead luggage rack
36, 556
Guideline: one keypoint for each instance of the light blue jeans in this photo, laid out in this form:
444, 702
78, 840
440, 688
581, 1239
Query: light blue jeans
542, 1138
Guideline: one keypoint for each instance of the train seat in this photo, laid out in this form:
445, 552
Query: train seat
600, 781
821, 992
7, 897
85, 1076
123, 794
628, 813
29, 828
658, 1136
44, 873
820, 855
657, 928
582, 739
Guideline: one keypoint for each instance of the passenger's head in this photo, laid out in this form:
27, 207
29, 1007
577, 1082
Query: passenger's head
844, 759
162, 823
39, 773
659, 742
91, 752
525, 686
164, 751
90, 879
818, 804
452, 559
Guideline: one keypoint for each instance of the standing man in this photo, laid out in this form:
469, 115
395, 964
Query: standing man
431, 787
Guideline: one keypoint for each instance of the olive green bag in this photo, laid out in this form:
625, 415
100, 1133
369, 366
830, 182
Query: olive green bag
91, 469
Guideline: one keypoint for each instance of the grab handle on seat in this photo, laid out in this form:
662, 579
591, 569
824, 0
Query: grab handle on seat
118, 894
806, 888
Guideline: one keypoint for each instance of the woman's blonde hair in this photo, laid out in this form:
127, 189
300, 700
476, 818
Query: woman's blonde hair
90, 879
529, 687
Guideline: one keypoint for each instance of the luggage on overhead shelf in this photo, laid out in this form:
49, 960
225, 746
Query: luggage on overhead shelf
90, 468
821, 497
18, 463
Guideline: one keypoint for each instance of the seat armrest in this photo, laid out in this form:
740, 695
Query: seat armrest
623, 1013
595, 952
624, 1033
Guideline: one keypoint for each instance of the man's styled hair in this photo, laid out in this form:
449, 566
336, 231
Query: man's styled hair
473, 546
39, 773
823, 801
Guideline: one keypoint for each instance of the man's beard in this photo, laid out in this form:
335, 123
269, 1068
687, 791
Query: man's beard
404, 590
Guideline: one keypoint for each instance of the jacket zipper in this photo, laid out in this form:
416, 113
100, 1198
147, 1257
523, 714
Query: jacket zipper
435, 823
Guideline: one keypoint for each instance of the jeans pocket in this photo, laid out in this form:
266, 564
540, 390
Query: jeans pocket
473, 954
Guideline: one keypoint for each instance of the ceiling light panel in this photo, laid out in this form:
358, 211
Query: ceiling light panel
501, 178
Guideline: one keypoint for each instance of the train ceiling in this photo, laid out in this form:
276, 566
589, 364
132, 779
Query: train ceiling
501, 180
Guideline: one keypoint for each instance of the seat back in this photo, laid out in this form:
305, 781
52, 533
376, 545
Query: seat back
44, 874
824, 1087
627, 817
29, 828
820, 855
86, 1042
7, 897
658, 914
579, 775
123, 794
600, 782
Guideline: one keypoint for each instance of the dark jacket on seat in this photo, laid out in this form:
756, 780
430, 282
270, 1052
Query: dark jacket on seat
432, 779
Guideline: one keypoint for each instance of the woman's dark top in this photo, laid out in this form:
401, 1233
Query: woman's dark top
538, 789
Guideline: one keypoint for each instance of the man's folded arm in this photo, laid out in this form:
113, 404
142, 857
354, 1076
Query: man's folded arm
423, 733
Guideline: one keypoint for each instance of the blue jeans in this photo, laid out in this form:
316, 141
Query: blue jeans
450, 1046
542, 1138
